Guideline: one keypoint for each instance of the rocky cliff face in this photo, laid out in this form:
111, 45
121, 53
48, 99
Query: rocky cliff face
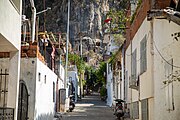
85, 16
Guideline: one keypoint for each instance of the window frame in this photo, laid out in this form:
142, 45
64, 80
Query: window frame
143, 55
134, 65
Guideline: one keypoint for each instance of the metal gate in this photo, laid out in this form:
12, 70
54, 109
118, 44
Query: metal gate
23, 102
5, 112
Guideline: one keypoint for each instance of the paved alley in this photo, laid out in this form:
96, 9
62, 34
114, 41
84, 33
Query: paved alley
90, 108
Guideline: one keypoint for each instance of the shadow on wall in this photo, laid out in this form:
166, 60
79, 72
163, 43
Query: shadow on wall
49, 116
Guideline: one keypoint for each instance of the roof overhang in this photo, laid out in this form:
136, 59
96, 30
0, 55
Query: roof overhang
168, 14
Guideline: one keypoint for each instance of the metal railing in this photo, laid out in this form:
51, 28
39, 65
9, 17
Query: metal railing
6, 113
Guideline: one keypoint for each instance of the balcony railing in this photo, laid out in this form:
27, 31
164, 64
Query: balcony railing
6, 113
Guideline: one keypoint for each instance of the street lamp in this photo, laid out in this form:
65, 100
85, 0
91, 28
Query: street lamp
37, 20
48, 8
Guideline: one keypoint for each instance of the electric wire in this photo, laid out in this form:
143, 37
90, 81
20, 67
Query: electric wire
175, 66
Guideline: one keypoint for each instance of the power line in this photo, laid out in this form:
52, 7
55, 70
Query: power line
158, 53
163, 57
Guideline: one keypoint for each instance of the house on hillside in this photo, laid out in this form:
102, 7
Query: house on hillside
151, 61
10, 43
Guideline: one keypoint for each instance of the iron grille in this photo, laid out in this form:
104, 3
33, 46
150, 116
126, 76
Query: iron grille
6, 113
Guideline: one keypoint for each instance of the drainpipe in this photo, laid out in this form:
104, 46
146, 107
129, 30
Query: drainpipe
33, 20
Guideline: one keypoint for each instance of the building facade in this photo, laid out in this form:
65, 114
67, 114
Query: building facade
10, 42
41, 88
151, 61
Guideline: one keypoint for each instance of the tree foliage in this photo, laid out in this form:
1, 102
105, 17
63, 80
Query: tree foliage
78, 61
100, 73
118, 22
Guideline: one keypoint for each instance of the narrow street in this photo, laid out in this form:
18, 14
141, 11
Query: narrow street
90, 108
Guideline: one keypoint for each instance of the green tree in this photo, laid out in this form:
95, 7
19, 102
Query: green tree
78, 61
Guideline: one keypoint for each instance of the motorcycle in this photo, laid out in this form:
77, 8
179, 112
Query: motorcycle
119, 109
71, 103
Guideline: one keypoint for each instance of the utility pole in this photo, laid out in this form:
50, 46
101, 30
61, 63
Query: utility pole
66, 65
81, 63
44, 5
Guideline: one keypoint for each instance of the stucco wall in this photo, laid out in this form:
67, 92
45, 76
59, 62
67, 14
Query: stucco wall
168, 48
40, 88
28, 75
13, 70
10, 24
44, 106
62, 73
109, 85
145, 79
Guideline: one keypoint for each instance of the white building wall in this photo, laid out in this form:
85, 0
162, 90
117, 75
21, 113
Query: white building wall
13, 84
44, 105
122, 89
61, 81
109, 85
128, 70
146, 87
13, 69
41, 104
10, 24
10, 41
169, 48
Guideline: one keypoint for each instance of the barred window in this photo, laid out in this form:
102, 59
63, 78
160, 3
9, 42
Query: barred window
143, 55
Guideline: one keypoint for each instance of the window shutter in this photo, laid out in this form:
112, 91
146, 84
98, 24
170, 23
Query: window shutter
134, 64
144, 108
143, 56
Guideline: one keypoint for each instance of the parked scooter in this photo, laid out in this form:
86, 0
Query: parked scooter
71, 103
119, 109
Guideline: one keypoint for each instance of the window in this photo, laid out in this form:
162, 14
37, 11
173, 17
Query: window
53, 92
45, 79
134, 65
143, 56
144, 109
39, 76
135, 110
